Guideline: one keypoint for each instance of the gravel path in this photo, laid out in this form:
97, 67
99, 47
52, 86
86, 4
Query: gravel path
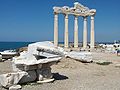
74, 75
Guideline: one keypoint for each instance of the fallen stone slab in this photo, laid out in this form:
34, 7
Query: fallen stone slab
80, 56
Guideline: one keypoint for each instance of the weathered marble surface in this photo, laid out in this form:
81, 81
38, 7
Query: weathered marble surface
80, 56
33, 64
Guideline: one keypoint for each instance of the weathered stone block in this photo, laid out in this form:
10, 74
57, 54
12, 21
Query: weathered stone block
30, 77
44, 73
7, 80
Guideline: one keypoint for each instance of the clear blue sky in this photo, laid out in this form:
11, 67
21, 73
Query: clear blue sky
32, 20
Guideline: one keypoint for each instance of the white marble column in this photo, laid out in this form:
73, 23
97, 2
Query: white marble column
56, 29
66, 32
85, 33
76, 32
92, 38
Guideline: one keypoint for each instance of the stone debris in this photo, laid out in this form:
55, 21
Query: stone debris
34, 64
46, 81
80, 56
15, 87
9, 79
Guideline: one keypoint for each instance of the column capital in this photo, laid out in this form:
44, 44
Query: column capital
76, 16
56, 13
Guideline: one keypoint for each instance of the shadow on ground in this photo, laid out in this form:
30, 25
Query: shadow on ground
57, 76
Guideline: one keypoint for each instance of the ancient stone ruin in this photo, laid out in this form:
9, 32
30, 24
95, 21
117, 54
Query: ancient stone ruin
76, 11
34, 64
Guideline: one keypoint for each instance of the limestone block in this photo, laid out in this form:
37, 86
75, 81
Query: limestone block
31, 76
7, 80
15, 87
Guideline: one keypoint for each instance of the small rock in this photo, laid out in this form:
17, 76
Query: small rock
46, 81
15, 87
117, 65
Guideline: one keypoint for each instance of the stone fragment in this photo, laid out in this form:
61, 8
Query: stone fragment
44, 73
80, 56
29, 77
15, 87
7, 80
46, 81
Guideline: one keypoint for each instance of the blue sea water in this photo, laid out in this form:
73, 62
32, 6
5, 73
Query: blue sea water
12, 45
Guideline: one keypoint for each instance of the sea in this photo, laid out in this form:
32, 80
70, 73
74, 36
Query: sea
16, 45
12, 45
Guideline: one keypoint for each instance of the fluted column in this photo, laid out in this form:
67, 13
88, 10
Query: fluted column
66, 32
92, 40
85, 33
56, 29
76, 32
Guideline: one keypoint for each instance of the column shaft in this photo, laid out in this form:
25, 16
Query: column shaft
76, 32
92, 40
56, 29
85, 33
66, 32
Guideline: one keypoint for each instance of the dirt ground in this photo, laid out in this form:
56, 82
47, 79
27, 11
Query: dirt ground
74, 75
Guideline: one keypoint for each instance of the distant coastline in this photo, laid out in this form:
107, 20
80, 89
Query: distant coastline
16, 45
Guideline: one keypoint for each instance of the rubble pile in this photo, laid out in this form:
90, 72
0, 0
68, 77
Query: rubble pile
34, 64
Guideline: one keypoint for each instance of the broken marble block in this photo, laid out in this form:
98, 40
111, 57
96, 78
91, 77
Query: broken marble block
10, 79
29, 77
80, 56
33, 64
